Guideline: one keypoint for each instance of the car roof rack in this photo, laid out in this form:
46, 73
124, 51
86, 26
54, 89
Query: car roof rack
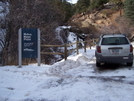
124, 35
102, 35
112, 34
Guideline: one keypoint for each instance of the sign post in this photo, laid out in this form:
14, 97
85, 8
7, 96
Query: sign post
20, 48
29, 44
39, 57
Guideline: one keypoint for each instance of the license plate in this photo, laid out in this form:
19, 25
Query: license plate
115, 51
125, 57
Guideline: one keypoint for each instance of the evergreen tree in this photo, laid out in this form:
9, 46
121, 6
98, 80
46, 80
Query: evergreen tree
98, 3
67, 9
118, 5
129, 9
82, 5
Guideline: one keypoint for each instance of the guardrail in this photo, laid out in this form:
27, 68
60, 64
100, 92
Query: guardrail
66, 51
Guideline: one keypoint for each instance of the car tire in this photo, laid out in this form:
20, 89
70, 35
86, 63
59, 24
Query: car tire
130, 64
98, 64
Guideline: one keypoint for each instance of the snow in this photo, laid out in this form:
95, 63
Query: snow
77, 79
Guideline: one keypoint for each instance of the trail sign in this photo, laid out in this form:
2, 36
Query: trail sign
29, 44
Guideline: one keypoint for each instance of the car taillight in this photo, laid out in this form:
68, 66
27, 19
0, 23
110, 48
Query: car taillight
98, 49
131, 48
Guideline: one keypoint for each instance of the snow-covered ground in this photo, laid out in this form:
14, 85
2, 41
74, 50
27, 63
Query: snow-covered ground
77, 79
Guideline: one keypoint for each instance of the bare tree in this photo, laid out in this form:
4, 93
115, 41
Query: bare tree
3, 30
40, 14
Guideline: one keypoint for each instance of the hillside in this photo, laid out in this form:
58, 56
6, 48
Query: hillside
103, 21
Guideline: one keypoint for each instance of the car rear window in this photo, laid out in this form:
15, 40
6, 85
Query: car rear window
114, 41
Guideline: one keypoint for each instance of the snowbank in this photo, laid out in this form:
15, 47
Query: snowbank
76, 79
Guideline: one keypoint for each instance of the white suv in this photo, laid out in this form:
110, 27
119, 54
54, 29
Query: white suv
114, 48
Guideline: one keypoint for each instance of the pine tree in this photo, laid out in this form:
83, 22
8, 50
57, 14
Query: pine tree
67, 9
129, 9
82, 5
98, 3
118, 5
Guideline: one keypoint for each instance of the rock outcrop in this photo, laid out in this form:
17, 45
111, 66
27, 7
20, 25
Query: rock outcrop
101, 22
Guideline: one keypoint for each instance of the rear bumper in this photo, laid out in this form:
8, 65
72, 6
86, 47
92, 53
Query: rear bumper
115, 59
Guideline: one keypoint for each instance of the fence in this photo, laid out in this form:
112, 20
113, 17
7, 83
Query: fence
66, 51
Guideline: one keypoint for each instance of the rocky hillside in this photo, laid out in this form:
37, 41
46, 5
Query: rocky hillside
107, 20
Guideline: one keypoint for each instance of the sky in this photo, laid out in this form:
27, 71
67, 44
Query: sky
72, 1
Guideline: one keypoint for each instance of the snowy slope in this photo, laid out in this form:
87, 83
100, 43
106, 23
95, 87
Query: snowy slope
77, 79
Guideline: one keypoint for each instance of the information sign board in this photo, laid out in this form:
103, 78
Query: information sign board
29, 43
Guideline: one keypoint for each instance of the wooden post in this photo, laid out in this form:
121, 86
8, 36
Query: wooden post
39, 57
90, 43
85, 46
65, 51
93, 41
77, 48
